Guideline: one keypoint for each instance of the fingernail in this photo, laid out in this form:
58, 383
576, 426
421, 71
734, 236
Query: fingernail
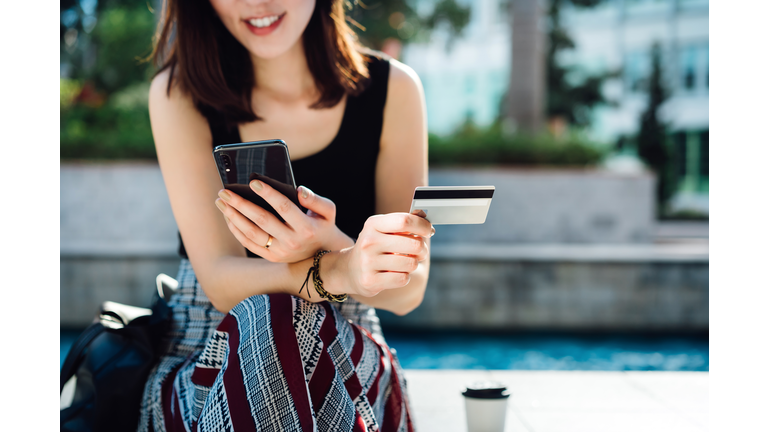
256, 186
221, 205
225, 195
304, 192
433, 232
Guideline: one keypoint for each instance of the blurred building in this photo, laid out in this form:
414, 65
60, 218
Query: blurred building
467, 79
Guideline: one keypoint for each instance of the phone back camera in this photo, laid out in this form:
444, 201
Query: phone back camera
225, 160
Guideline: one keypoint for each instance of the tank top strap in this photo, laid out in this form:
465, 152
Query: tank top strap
221, 131
366, 111
375, 95
353, 152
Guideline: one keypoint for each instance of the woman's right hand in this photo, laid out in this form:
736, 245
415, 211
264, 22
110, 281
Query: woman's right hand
297, 239
388, 249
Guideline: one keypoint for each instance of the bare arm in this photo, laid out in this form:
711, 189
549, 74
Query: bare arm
183, 142
402, 165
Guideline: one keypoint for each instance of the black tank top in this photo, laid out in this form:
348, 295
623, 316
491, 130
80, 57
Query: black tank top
345, 170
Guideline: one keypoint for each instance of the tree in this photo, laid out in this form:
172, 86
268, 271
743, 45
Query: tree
652, 145
567, 98
103, 41
527, 89
378, 21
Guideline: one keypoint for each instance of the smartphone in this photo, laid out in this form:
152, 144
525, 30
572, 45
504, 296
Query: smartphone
267, 161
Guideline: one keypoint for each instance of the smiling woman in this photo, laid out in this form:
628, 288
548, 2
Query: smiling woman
272, 20
264, 26
290, 341
217, 66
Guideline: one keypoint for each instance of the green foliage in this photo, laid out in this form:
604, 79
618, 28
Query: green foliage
568, 97
69, 89
104, 113
397, 19
491, 146
124, 37
685, 215
119, 129
455, 16
103, 43
652, 139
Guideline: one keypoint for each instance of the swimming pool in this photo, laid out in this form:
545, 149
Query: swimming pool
551, 351
536, 351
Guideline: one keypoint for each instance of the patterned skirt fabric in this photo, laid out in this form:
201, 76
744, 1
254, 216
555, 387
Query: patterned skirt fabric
273, 363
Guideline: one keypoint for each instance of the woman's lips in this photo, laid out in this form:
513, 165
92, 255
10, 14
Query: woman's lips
255, 25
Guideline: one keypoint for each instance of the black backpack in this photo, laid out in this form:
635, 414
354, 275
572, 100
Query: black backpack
103, 376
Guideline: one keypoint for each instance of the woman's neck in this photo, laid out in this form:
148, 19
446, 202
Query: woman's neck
286, 78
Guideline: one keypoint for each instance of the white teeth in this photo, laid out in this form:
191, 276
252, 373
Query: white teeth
263, 22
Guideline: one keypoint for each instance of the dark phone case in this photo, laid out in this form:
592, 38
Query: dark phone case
266, 161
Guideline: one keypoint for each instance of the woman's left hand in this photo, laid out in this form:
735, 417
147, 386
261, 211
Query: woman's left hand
297, 239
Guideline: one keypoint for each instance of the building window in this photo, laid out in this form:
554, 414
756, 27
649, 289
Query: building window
688, 68
681, 154
636, 71
706, 67
693, 63
704, 154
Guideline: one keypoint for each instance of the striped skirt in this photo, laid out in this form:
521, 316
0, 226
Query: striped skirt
273, 363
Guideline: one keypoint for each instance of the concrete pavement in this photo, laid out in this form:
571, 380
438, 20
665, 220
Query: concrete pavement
571, 401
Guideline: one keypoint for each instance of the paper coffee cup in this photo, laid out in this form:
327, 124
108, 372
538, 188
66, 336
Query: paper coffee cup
486, 406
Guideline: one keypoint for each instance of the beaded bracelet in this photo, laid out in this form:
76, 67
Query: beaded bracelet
314, 273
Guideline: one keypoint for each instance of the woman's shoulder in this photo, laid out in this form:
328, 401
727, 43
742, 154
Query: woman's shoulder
172, 111
165, 90
401, 79
167, 98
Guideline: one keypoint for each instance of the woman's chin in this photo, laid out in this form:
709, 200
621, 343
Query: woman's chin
265, 51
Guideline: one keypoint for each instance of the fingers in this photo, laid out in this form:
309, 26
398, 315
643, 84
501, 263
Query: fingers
402, 244
390, 248
245, 214
318, 204
396, 263
255, 246
281, 203
376, 282
236, 221
401, 223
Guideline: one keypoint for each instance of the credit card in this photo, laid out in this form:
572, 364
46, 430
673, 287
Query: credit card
453, 205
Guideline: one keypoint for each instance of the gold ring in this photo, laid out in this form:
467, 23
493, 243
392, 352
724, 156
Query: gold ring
269, 242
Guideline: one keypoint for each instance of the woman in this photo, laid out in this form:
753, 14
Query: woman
252, 347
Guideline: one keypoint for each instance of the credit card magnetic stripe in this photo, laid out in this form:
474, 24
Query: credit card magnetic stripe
452, 194
459, 202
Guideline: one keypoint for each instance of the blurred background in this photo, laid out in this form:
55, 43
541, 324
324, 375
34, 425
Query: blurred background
591, 118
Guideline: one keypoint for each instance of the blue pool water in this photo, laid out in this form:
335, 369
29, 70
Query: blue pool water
548, 351
537, 351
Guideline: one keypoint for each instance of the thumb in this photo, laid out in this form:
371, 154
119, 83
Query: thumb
316, 203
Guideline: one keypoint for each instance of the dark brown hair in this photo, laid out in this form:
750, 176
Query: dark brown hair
216, 70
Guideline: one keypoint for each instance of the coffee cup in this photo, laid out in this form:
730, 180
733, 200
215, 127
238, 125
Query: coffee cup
486, 406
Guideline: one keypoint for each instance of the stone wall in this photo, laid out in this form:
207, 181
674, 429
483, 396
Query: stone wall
560, 249
117, 234
555, 206
555, 292
88, 281
115, 209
